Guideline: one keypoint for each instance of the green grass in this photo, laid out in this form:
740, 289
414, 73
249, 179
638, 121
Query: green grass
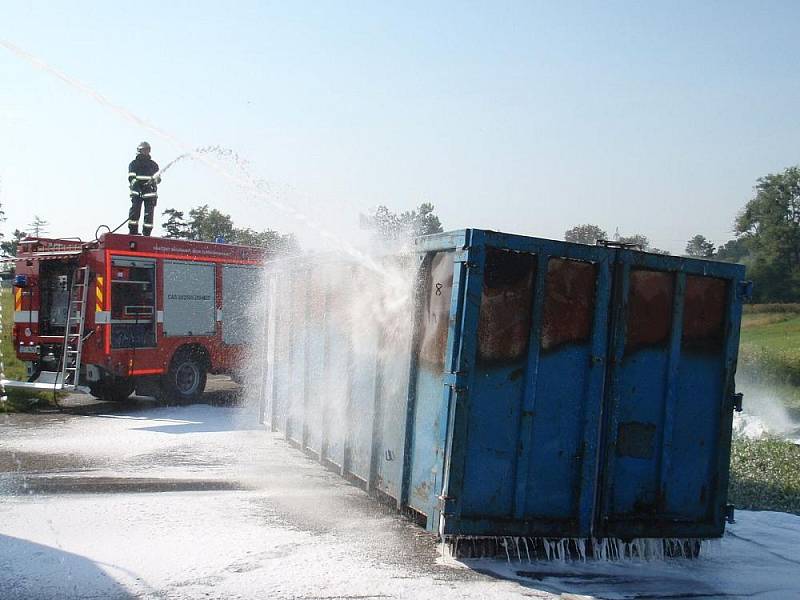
769, 351
776, 331
765, 475
17, 400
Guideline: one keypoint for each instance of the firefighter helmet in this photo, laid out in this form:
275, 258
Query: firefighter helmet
143, 148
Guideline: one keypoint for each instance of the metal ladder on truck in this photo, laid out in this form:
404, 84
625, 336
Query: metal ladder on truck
73, 330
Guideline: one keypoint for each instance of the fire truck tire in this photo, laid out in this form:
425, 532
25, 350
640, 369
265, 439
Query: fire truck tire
120, 390
186, 378
115, 391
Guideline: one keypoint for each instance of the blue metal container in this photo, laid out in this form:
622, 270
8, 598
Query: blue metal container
527, 387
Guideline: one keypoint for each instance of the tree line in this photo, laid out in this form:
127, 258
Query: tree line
206, 224
209, 224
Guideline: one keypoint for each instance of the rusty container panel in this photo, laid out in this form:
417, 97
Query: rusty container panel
692, 476
505, 312
640, 404
534, 395
649, 318
568, 312
568, 394
499, 384
668, 427
704, 314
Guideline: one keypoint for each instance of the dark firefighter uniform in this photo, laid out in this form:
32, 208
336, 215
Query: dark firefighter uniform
144, 189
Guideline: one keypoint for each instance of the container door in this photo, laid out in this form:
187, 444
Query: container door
530, 448
392, 366
429, 425
668, 412
282, 327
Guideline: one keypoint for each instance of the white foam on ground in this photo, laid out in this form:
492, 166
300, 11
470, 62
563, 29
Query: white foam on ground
757, 558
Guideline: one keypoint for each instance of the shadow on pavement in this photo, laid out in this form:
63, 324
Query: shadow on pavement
211, 426
32, 570
219, 392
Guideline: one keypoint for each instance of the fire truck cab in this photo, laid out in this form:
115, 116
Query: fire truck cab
127, 313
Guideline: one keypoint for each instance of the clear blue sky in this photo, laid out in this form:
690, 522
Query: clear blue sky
524, 117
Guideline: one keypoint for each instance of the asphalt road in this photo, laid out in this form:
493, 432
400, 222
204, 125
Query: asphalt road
137, 500
122, 500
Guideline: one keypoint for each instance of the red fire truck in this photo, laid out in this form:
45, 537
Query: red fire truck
125, 313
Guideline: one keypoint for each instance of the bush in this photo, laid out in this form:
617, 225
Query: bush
765, 475
769, 365
756, 309
18, 400
22, 401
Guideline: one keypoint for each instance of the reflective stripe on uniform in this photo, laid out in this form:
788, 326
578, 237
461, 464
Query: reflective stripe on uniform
150, 195
144, 177
135, 193
133, 222
131, 174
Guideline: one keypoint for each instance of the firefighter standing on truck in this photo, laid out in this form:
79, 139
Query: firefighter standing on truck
143, 181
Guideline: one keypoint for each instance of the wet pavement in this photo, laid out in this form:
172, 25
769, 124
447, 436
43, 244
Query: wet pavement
133, 499
138, 500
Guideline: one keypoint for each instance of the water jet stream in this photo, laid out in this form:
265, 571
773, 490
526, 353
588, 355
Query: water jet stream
247, 183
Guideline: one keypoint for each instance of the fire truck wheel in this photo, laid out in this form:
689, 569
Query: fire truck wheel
119, 390
186, 378
115, 391
96, 390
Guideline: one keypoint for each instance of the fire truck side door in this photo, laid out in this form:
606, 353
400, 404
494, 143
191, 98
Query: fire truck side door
239, 286
189, 298
133, 303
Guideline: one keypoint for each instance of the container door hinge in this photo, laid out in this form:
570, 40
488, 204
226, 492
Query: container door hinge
447, 504
736, 401
462, 256
729, 513
456, 380
745, 289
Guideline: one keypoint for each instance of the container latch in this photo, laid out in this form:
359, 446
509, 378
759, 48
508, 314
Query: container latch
446, 504
736, 401
456, 380
746, 290
729, 513
464, 257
